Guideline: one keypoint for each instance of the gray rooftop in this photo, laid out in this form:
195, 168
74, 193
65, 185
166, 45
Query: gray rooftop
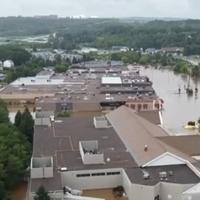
175, 174
62, 142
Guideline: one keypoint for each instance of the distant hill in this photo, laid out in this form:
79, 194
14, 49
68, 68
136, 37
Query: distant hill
105, 33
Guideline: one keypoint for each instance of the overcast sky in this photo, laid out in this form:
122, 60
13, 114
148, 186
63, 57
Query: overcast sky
103, 8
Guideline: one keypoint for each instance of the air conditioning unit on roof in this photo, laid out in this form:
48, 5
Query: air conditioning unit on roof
163, 175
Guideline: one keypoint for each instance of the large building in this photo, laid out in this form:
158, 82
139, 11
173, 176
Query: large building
123, 150
93, 89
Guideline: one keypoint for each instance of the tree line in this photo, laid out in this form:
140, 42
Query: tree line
153, 34
15, 146
69, 33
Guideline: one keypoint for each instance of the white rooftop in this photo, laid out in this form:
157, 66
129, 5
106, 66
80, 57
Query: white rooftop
193, 190
37, 81
111, 80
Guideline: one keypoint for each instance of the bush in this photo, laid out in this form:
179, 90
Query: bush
64, 114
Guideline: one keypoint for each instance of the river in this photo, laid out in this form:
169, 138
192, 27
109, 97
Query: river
178, 108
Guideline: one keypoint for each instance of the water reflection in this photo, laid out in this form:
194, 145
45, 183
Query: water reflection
179, 108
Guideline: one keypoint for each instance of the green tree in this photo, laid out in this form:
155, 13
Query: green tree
16, 53
182, 67
14, 157
58, 59
18, 118
41, 194
3, 192
196, 71
74, 60
3, 112
61, 68
27, 125
144, 60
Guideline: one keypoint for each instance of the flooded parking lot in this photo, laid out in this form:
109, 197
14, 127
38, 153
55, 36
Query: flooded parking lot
178, 108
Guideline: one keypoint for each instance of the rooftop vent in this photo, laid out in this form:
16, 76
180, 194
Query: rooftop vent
163, 175
146, 148
171, 173
146, 175
107, 159
62, 169
101, 122
85, 98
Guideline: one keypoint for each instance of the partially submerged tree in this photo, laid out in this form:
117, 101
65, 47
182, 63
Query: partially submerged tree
42, 194
27, 125
18, 118
3, 112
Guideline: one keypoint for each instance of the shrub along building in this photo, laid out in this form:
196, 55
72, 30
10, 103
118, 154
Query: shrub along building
122, 148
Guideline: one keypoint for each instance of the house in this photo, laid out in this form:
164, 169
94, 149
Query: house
172, 50
1, 66
8, 64
121, 148
2, 77
151, 51
116, 49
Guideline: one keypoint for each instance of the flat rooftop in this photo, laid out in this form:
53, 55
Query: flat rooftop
179, 174
63, 144
63, 140
81, 87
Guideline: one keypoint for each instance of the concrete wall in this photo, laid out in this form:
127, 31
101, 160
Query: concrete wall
133, 191
127, 185
195, 196
173, 191
46, 172
43, 121
89, 158
100, 122
93, 159
144, 192
36, 172
42, 167
80, 198
92, 182
89, 145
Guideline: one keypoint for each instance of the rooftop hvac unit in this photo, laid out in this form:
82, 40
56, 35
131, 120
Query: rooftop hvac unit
52, 118
145, 147
107, 159
85, 98
163, 175
63, 169
171, 173
146, 175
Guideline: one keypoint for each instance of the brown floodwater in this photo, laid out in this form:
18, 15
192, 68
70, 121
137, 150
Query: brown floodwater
178, 108
19, 192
